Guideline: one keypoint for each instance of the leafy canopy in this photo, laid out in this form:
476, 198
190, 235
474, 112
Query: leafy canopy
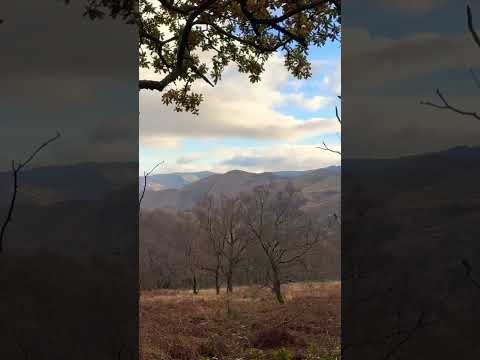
184, 41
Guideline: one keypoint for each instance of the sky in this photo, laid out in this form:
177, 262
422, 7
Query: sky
395, 55
81, 81
272, 125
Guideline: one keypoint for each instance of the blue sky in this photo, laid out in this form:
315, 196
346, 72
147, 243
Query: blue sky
273, 125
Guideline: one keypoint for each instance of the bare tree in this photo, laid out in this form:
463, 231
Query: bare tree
221, 219
164, 246
208, 217
284, 232
186, 236
16, 169
236, 237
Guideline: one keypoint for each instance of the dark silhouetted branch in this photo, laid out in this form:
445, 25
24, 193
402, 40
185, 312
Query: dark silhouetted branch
471, 27
468, 269
182, 51
337, 115
475, 78
447, 106
326, 148
146, 174
16, 168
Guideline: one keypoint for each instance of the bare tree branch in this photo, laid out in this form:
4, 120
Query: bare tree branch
475, 78
471, 27
445, 104
448, 106
16, 168
337, 115
146, 174
326, 148
468, 269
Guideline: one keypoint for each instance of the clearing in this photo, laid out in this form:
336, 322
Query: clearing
248, 325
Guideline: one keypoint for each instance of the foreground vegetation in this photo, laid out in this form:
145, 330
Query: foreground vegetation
247, 324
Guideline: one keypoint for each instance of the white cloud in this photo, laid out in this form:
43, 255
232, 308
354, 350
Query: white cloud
390, 126
311, 104
276, 157
370, 62
235, 108
160, 142
190, 158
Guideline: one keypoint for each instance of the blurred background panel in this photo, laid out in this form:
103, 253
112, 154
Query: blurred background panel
410, 146
69, 123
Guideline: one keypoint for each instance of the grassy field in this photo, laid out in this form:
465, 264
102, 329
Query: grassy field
248, 325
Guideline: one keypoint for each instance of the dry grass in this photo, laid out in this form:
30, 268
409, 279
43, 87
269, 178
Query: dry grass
182, 326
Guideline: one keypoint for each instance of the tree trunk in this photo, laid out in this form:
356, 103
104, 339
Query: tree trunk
229, 283
194, 283
229, 279
276, 286
217, 280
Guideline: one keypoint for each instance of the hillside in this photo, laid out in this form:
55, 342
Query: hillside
51, 184
76, 210
321, 187
413, 221
174, 180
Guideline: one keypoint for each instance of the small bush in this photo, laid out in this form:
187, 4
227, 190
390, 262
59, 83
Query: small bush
312, 353
214, 346
332, 354
273, 338
282, 354
255, 354
180, 351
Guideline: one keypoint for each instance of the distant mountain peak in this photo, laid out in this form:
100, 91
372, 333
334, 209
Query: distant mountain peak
237, 172
463, 151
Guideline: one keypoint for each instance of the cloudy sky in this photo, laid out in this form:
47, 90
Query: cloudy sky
63, 72
269, 126
396, 54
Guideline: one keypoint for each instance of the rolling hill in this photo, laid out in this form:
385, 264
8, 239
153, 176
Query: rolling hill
321, 187
174, 180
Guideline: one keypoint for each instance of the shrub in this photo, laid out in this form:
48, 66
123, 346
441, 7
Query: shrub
312, 352
255, 354
214, 346
335, 353
273, 338
282, 354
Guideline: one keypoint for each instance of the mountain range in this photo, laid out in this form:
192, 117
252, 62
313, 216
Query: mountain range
173, 180
321, 187
54, 202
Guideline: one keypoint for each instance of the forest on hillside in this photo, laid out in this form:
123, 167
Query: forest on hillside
263, 237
